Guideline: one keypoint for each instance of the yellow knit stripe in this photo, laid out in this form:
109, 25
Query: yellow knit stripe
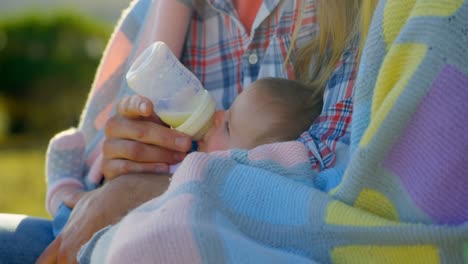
341, 214
436, 8
424, 254
395, 15
376, 203
398, 67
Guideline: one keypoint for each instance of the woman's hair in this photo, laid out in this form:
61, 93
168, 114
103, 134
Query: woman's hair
341, 22
294, 105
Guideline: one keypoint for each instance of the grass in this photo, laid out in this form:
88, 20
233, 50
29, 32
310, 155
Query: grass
22, 182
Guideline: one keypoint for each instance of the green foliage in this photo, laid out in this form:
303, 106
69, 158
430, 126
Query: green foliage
47, 65
23, 187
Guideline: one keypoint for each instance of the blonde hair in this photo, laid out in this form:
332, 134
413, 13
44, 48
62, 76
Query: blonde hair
340, 23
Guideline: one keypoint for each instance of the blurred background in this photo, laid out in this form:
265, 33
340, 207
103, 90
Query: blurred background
49, 52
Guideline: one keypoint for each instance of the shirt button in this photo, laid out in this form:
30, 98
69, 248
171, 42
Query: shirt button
253, 58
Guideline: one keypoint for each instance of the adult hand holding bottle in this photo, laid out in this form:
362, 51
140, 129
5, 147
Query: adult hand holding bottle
137, 141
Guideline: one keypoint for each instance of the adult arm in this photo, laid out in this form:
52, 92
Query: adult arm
136, 140
100, 208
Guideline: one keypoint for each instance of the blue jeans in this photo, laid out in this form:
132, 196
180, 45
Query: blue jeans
23, 239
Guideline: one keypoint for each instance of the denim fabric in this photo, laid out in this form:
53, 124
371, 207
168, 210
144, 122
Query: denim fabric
23, 239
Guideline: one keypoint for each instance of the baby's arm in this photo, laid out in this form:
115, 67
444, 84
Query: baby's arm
64, 167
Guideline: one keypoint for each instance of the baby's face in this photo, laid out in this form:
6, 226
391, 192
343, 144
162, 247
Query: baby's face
242, 126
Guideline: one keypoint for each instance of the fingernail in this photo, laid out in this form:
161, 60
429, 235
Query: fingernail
182, 142
143, 108
179, 156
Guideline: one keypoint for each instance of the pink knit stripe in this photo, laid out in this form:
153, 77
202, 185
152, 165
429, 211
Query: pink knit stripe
287, 154
191, 169
221, 153
56, 193
68, 140
168, 227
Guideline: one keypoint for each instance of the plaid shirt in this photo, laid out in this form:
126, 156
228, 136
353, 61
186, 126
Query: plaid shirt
227, 59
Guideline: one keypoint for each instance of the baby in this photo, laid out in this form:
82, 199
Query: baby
270, 110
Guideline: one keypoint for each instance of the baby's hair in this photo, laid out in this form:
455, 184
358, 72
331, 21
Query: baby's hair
294, 104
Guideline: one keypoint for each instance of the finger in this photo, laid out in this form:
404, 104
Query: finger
139, 152
117, 167
135, 106
147, 132
72, 199
50, 254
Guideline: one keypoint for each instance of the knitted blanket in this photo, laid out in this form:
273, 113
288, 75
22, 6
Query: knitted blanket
403, 197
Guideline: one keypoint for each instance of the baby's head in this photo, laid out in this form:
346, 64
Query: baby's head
270, 110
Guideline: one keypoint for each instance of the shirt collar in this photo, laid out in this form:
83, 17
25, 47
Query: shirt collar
265, 10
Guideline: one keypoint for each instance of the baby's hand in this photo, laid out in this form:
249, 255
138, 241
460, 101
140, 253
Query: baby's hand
136, 106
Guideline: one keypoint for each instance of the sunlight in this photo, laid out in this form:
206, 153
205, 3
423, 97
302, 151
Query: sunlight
11, 221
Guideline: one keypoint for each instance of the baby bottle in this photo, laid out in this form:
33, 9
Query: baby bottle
179, 98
